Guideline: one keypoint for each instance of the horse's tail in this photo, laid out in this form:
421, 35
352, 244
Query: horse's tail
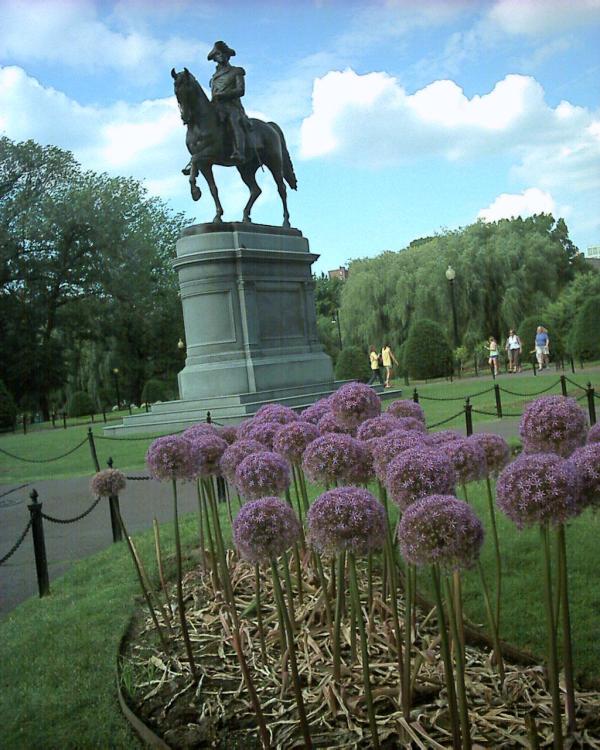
288, 168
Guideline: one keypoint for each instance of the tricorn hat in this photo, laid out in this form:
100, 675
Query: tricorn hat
220, 47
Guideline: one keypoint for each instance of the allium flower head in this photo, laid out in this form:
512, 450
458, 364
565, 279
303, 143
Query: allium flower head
276, 413
292, 439
386, 449
496, 450
443, 436
107, 483
441, 529
173, 457
228, 433
264, 529
378, 427
200, 428
553, 424
315, 411
594, 433
330, 423
411, 423
243, 428
405, 407
262, 474
418, 472
263, 431
337, 458
234, 455
210, 449
587, 464
468, 459
353, 403
347, 518
538, 487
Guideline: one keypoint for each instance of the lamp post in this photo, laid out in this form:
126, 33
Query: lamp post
336, 320
181, 345
451, 275
116, 377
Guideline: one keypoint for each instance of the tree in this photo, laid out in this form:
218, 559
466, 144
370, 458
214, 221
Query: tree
584, 341
352, 364
427, 353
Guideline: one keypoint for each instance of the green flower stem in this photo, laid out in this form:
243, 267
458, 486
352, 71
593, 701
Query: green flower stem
209, 536
353, 616
455, 617
292, 654
298, 565
180, 603
465, 493
337, 630
364, 652
492, 510
459, 636
261, 630
551, 634
406, 677
302, 482
370, 582
566, 628
290, 592
445, 648
324, 590
406, 691
201, 525
239, 500
161, 572
228, 501
493, 625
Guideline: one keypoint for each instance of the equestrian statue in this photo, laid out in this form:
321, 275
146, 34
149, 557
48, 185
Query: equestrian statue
220, 132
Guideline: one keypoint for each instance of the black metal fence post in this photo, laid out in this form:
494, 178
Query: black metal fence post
468, 417
498, 401
115, 512
406, 382
591, 404
534, 364
93, 449
24, 423
53, 418
104, 413
92, 416
208, 418
563, 385
39, 545
416, 396
572, 362
64, 419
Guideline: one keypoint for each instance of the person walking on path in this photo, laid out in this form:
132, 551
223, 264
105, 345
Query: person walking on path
513, 349
542, 347
494, 354
387, 357
375, 365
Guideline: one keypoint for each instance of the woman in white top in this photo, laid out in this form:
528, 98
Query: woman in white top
513, 349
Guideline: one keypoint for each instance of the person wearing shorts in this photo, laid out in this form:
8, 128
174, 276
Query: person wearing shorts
513, 349
387, 357
494, 354
542, 347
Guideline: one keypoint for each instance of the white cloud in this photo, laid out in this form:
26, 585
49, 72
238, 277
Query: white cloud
529, 202
543, 17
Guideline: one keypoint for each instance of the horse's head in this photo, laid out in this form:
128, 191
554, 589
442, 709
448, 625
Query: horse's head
188, 93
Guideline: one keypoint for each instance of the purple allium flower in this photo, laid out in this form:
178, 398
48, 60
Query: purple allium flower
411, 423
405, 407
262, 474
587, 464
355, 402
276, 413
234, 455
468, 459
378, 427
291, 439
315, 411
329, 423
337, 458
553, 424
418, 472
243, 428
385, 449
200, 428
210, 449
594, 433
496, 449
440, 529
443, 436
262, 431
107, 482
538, 487
264, 529
228, 433
347, 518
173, 457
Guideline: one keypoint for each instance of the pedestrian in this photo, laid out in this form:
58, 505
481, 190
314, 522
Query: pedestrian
387, 357
494, 354
375, 365
542, 347
513, 349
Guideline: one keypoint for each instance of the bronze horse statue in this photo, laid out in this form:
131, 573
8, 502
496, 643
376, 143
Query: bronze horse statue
208, 141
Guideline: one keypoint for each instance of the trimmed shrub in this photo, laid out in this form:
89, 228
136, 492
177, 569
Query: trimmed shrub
80, 404
155, 390
584, 339
427, 353
352, 364
8, 408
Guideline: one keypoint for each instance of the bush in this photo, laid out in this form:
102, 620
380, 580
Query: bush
8, 408
527, 330
584, 339
352, 364
427, 353
155, 390
80, 404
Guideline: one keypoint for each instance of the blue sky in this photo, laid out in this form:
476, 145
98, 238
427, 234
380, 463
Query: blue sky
403, 118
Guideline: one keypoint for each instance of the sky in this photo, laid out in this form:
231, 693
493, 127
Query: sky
403, 118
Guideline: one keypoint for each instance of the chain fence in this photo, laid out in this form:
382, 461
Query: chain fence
44, 460
17, 544
75, 518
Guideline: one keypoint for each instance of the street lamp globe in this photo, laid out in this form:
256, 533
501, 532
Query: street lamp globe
450, 273
180, 345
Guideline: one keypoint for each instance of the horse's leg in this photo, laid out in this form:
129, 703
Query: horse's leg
195, 190
248, 174
278, 177
206, 170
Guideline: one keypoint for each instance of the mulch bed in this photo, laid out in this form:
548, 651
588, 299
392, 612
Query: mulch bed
218, 714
